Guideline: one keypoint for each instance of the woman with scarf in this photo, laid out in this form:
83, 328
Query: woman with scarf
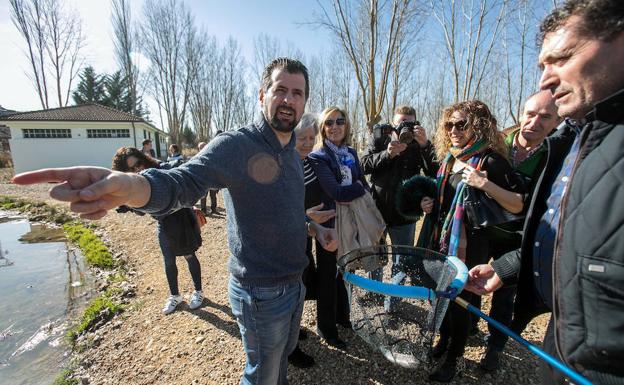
472, 153
337, 169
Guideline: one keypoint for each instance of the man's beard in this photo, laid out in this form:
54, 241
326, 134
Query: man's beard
284, 127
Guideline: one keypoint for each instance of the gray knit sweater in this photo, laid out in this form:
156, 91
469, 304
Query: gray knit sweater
264, 200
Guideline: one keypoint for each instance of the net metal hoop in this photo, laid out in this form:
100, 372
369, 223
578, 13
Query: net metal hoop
418, 281
458, 282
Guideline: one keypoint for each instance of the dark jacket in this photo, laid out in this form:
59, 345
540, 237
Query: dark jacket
325, 166
387, 174
588, 264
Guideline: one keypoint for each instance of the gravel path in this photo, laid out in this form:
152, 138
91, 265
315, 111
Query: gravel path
142, 346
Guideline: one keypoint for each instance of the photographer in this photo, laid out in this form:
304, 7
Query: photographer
398, 152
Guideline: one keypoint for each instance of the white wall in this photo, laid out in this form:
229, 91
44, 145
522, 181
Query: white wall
35, 153
32, 154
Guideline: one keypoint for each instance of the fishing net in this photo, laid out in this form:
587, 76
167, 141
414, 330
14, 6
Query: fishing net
398, 297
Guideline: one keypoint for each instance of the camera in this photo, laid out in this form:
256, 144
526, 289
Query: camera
404, 131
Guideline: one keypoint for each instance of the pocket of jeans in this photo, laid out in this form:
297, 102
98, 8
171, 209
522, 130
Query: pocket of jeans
265, 294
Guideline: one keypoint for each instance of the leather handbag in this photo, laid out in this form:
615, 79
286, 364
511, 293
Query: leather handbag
483, 211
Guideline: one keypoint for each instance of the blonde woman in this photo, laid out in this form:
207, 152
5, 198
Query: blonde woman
338, 171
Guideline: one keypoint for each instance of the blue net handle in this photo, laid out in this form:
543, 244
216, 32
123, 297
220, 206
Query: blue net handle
461, 277
420, 292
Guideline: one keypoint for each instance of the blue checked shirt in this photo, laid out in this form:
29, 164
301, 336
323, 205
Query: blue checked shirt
546, 234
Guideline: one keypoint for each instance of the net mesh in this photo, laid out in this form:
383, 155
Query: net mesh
401, 328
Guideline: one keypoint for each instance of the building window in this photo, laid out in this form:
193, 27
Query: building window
108, 133
144, 134
32, 133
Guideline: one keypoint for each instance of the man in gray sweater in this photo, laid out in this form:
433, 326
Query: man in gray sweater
264, 198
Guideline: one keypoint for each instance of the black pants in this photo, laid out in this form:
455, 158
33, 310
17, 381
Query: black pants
456, 323
309, 274
502, 311
332, 303
515, 310
550, 376
502, 308
213, 201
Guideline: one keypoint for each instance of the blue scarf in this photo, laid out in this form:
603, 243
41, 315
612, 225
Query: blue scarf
342, 153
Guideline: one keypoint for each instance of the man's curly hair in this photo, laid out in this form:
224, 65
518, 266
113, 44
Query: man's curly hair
599, 19
479, 117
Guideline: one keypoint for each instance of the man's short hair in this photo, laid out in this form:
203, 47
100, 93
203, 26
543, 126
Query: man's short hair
147, 141
599, 19
291, 66
174, 147
405, 110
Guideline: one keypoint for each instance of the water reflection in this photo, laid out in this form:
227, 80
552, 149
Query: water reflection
43, 283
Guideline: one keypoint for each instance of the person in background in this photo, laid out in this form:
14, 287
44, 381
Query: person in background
174, 153
572, 249
147, 148
473, 154
390, 162
212, 193
528, 156
129, 159
305, 134
340, 177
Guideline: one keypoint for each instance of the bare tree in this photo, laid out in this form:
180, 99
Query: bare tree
229, 84
371, 33
54, 38
169, 40
124, 40
471, 30
520, 76
203, 90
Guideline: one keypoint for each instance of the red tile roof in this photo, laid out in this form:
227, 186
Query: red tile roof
82, 113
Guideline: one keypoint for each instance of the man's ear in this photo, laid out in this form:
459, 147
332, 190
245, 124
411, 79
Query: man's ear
261, 96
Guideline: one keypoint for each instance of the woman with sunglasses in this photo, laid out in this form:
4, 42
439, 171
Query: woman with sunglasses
337, 169
472, 153
129, 159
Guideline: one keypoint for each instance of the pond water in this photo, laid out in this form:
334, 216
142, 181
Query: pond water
43, 283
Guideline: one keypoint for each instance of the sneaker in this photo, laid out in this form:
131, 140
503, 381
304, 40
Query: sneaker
172, 302
196, 299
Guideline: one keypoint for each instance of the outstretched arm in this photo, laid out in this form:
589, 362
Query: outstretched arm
91, 191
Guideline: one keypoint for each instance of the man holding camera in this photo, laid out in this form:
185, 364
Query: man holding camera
397, 153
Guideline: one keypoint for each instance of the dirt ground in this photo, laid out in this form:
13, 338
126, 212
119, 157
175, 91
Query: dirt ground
143, 346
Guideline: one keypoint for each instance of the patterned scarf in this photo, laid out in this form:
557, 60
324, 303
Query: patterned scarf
451, 228
346, 161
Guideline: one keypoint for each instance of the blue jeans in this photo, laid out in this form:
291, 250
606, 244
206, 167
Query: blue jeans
268, 319
399, 235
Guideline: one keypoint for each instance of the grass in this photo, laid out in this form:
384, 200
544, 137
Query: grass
94, 250
65, 378
102, 308
37, 211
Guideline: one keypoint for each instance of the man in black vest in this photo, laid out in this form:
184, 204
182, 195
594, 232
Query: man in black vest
572, 253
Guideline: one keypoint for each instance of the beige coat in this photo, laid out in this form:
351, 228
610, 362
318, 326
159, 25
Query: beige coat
358, 224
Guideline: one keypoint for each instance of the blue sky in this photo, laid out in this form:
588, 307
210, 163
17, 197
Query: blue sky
241, 19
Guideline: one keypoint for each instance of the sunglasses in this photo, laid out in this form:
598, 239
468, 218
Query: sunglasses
339, 122
460, 125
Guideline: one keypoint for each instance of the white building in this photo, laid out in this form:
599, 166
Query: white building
87, 134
